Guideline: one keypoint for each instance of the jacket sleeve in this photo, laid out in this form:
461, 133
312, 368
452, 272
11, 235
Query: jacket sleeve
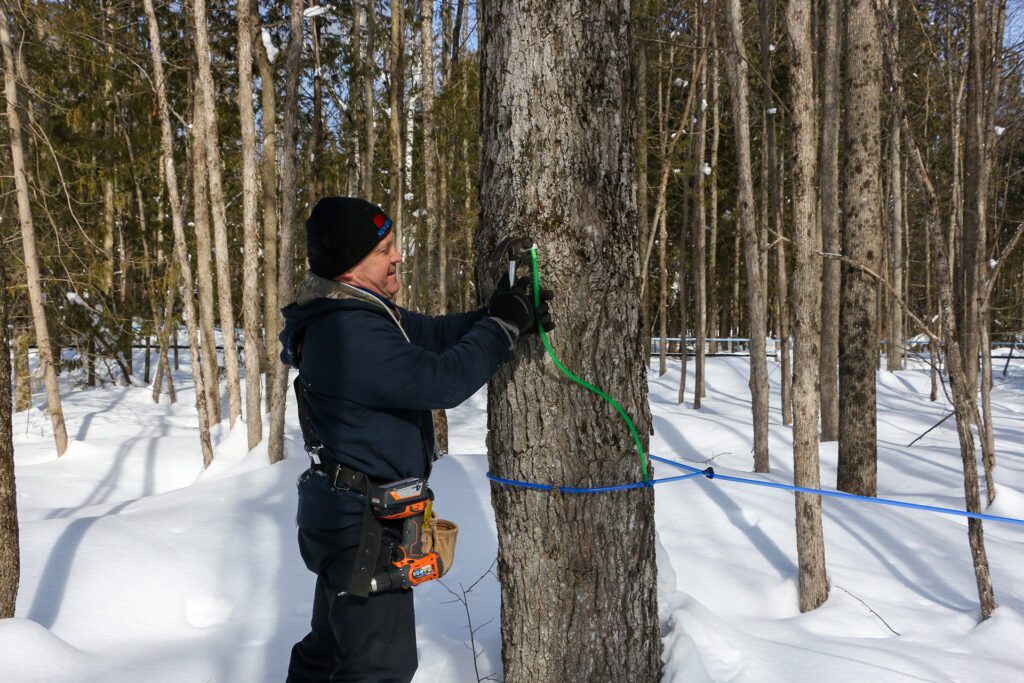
441, 332
361, 356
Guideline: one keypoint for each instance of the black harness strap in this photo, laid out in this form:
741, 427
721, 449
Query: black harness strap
342, 477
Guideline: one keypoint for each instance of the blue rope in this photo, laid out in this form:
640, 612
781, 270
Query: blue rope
594, 489
710, 473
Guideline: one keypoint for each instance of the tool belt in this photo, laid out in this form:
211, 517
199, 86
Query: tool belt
427, 546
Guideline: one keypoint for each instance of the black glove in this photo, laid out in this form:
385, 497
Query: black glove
514, 305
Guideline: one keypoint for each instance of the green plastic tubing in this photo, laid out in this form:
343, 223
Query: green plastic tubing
574, 378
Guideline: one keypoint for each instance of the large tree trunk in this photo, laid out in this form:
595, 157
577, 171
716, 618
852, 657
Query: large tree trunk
268, 182
810, 539
44, 349
220, 227
576, 198
10, 556
278, 394
862, 232
178, 225
251, 237
736, 70
830, 125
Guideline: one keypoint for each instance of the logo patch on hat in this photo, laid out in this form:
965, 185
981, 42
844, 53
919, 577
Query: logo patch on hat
383, 224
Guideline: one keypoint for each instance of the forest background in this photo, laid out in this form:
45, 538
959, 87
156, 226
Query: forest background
164, 155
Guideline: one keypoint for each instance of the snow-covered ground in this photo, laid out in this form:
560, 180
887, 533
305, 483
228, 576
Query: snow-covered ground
137, 565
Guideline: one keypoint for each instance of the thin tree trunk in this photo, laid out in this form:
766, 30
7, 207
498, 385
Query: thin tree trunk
285, 272
561, 196
314, 154
10, 555
772, 184
862, 232
177, 222
396, 189
894, 350
28, 242
964, 395
204, 265
714, 321
369, 132
810, 538
829, 161
642, 22
699, 237
429, 200
251, 236
220, 228
268, 182
736, 70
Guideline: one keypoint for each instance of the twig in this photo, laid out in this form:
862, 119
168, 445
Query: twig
894, 631
464, 599
948, 415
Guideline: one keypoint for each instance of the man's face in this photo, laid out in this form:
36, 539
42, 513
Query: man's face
377, 272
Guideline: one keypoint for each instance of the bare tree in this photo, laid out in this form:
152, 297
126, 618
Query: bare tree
395, 53
369, 131
206, 96
862, 233
577, 199
278, 392
251, 236
810, 538
699, 228
22, 378
736, 71
894, 346
964, 395
268, 182
44, 349
204, 263
177, 223
829, 160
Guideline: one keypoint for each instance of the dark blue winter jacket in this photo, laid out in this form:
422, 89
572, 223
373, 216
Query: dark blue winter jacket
371, 373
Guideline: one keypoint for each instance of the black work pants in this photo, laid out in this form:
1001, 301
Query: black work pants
370, 640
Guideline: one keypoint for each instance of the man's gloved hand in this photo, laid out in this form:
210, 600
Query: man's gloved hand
514, 304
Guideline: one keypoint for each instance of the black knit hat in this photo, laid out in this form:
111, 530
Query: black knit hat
340, 232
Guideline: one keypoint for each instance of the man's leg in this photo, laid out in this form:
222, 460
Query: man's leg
375, 638
313, 657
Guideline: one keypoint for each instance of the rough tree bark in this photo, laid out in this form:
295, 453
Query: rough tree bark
10, 555
829, 201
278, 395
862, 232
222, 261
22, 378
736, 72
557, 120
810, 540
251, 235
178, 225
44, 348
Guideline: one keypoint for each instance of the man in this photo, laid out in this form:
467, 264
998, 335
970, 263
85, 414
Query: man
370, 373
